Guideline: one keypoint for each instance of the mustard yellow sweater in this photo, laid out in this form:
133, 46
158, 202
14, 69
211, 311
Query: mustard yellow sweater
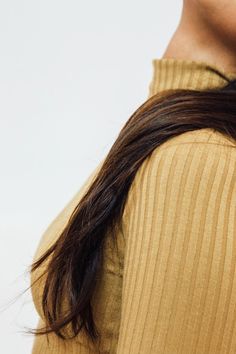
172, 287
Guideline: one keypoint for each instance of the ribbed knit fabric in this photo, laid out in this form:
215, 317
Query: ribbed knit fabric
171, 289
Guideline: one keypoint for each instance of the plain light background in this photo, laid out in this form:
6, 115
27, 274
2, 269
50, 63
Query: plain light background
71, 75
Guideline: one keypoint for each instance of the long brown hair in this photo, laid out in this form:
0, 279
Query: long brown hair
75, 258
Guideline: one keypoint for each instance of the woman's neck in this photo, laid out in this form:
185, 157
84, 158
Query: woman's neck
193, 43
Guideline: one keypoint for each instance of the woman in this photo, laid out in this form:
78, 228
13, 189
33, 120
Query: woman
142, 260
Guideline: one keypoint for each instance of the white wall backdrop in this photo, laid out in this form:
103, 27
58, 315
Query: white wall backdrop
71, 74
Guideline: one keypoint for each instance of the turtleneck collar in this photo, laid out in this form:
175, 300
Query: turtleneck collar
172, 73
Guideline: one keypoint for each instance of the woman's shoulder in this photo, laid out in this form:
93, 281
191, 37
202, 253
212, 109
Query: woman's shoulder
186, 147
188, 152
201, 136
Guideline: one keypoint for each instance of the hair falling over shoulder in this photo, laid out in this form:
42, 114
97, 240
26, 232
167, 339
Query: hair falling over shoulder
74, 260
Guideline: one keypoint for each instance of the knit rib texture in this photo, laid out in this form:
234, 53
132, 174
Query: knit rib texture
170, 288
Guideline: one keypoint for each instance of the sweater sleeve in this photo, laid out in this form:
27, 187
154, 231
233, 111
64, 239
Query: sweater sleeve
179, 283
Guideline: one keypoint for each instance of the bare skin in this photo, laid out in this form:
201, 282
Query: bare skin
206, 32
